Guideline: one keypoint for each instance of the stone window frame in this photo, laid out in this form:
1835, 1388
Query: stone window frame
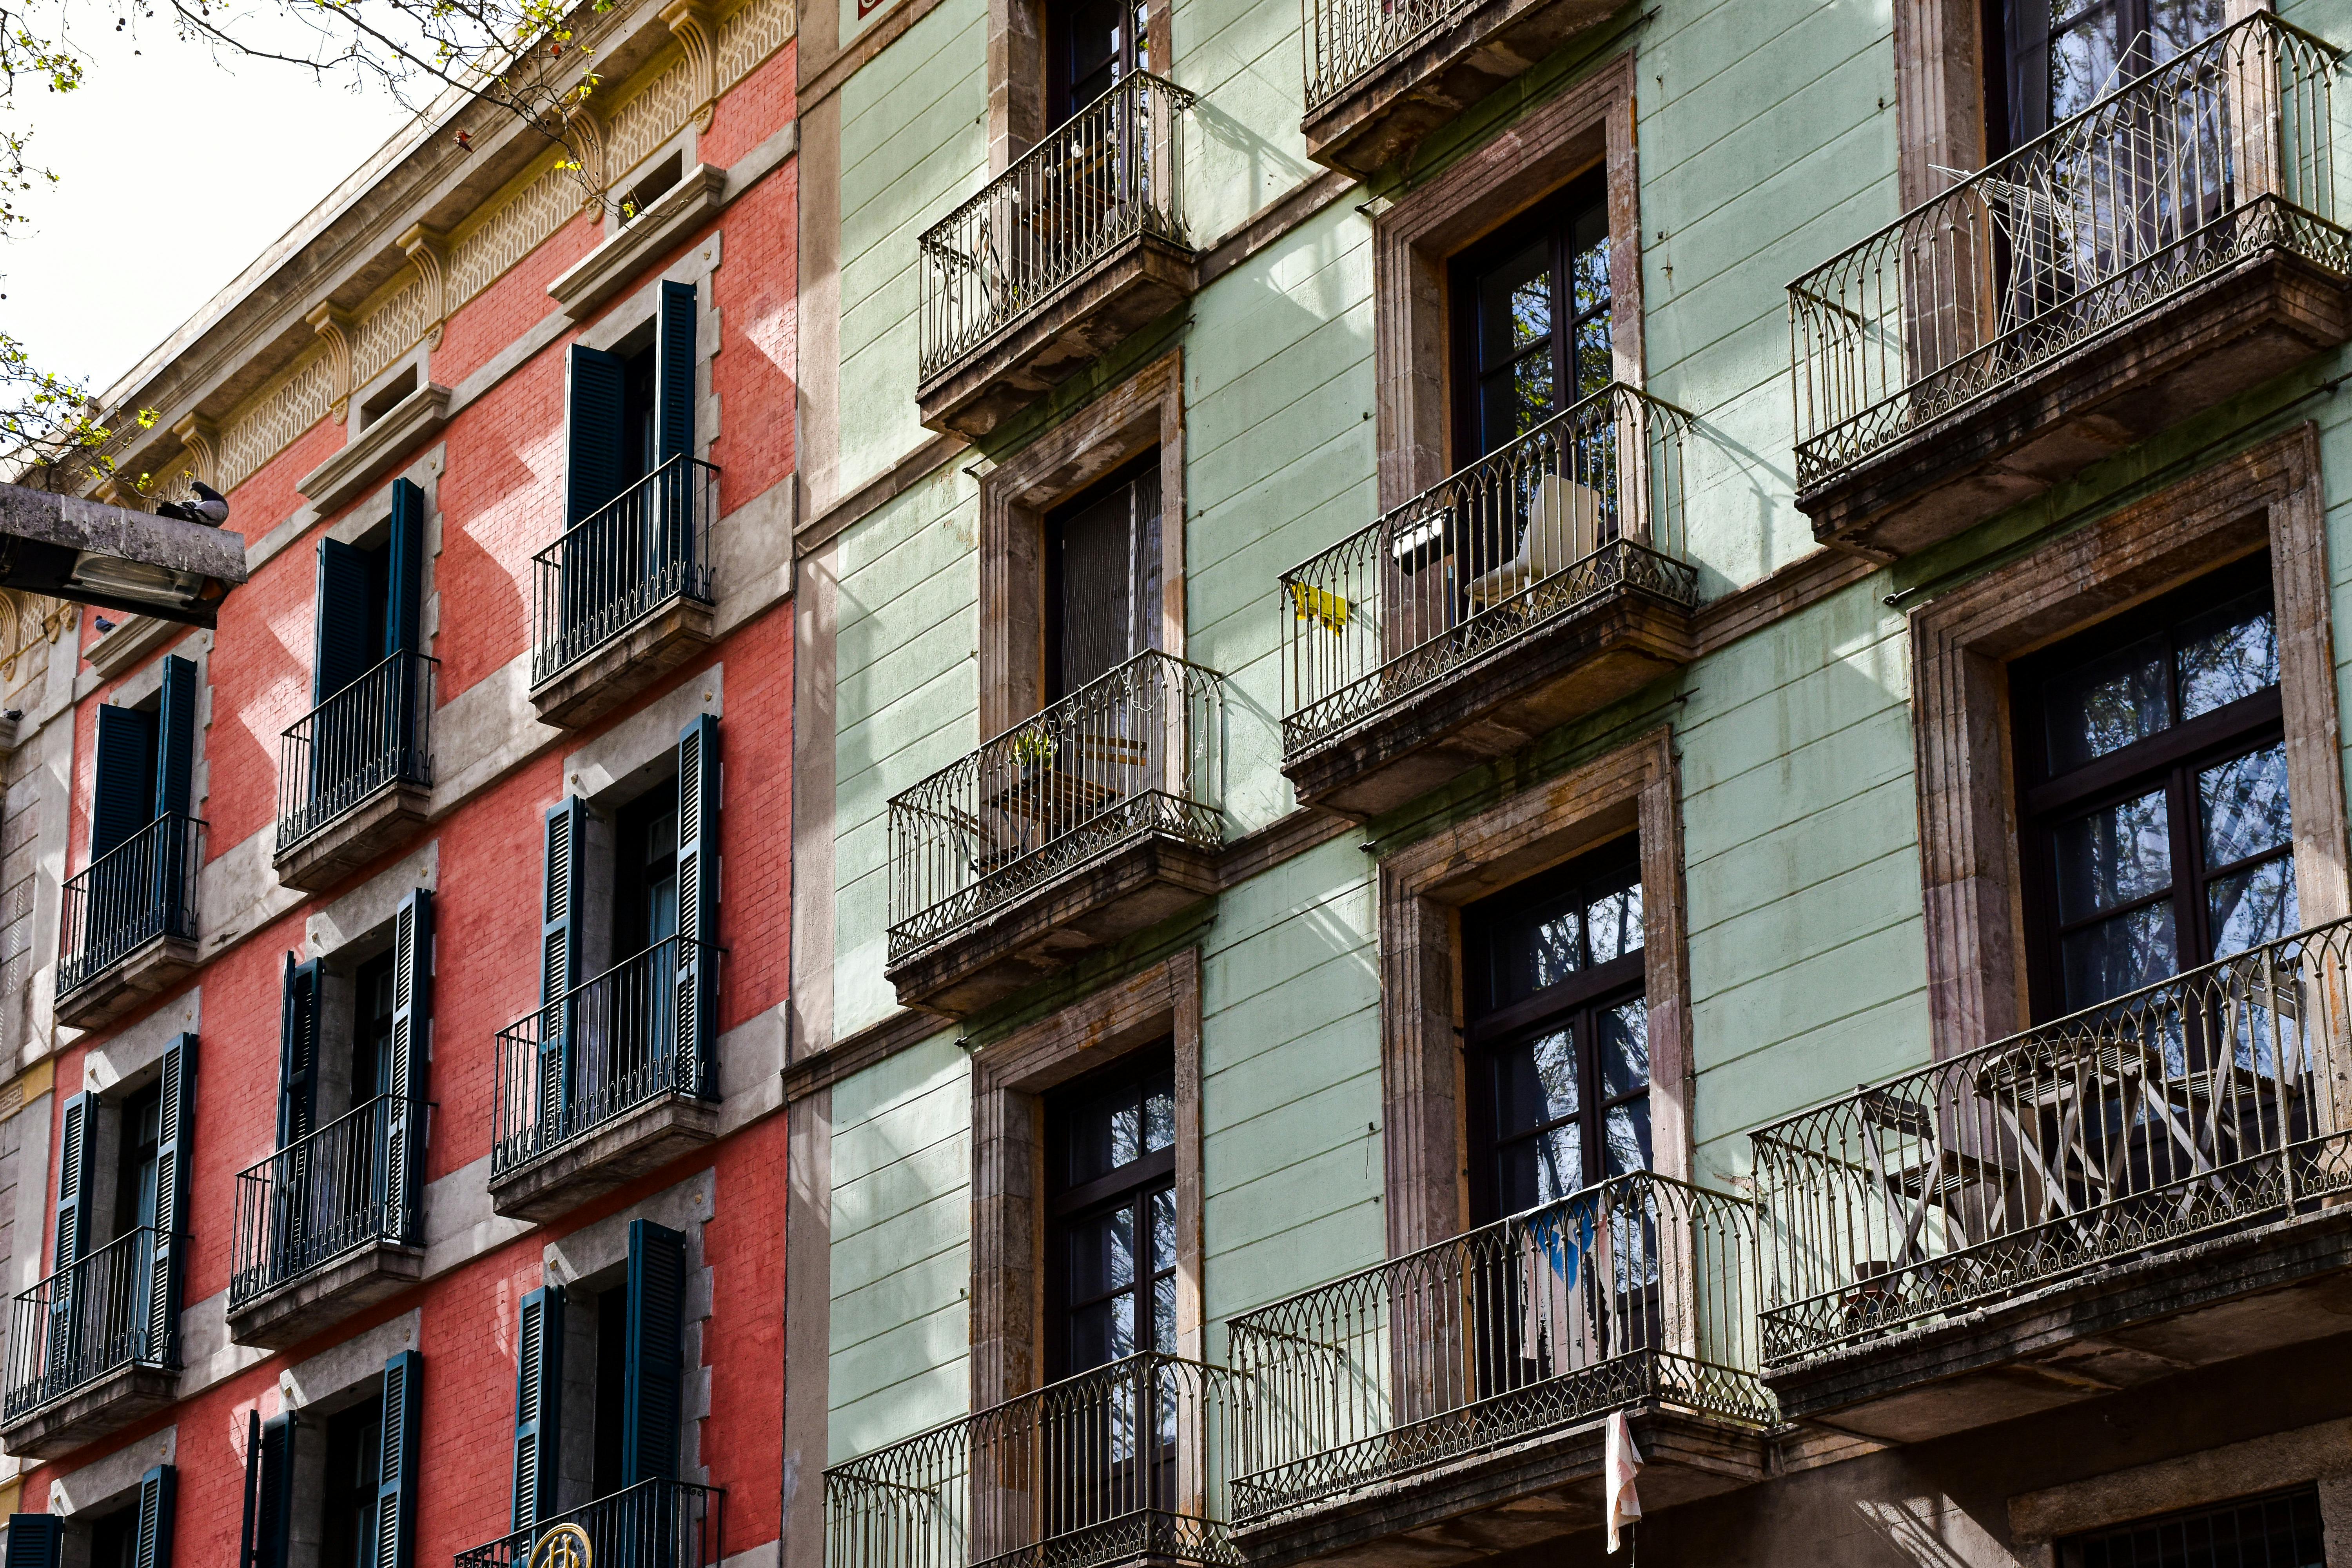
1017, 73
1009, 1079
1962, 642
1146, 410
1589, 126
1423, 889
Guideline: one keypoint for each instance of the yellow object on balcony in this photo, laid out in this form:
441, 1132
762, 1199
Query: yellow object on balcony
1321, 605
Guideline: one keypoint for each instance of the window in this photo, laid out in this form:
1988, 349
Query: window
388, 396
1104, 594
2281, 1530
605, 1418
140, 763
2158, 832
630, 410
2061, 56
347, 1503
1531, 331
141, 1124
371, 1016
1093, 44
644, 908
1111, 1212
114, 1539
1558, 1034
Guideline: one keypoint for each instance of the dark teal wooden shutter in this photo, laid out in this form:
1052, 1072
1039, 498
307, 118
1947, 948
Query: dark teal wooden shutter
35, 1541
404, 572
122, 794
539, 1404
173, 1170
177, 736
559, 959
75, 1135
395, 1470
340, 652
674, 374
656, 1352
298, 1053
592, 474
412, 1032
273, 1494
698, 904
158, 1492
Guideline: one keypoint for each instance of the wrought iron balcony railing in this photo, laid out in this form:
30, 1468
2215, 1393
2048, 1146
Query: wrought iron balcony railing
644, 549
2211, 1102
142, 889
2223, 152
1137, 751
652, 1524
1127, 1463
116, 1307
1109, 174
353, 1182
373, 732
1632, 1291
1589, 500
631, 1036
1349, 39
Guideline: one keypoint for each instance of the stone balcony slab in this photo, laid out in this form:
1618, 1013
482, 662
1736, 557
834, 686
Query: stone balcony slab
322, 1297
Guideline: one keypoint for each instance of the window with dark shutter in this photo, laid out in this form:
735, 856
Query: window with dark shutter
674, 375
122, 794
698, 779
655, 1353
594, 458
396, 1461
404, 1070
35, 1541
539, 1404
174, 1131
158, 1493
268, 1530
1104, 582
298, 1053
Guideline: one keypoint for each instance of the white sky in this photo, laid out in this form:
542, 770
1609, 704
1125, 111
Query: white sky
175, 172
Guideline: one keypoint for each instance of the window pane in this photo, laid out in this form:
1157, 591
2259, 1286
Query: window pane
1613, 924
1594, 365
2107, 704
1589, 265
1102, 1254
2254, 906
2178, 25
1163, 1313
2245, 803
1163, 1229
1537, 1170
1535, 1082
1515, 305
1102, 1333
2283, 1531
2084, 56
2114, 857
1158, 1120
1624, 1049
2228, 653
1625, 1132
2119, 955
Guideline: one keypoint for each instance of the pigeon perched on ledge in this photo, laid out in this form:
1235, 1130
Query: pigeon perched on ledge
210, 507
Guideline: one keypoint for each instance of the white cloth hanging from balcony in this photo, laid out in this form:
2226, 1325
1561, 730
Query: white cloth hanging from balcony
1620, 1463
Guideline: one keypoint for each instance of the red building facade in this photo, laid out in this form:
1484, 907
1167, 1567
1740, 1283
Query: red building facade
404, 1146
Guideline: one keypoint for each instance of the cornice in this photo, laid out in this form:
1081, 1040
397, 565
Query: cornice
604, 272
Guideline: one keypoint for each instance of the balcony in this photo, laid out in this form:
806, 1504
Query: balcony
1096, 818
626, 596
652, 1524
1126, 1463
1539, 584
1450, 1403
92, 1347
1060, 260
130, 923
2170, 246
355, 773
329, 1225
2161, 1182
1383, 74
612, 1080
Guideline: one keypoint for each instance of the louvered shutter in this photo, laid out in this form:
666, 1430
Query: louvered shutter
395, 1471
176, 738
298, 1053
405, 571
558, 961
592, 474
674, 374
75, 1137
412, 1033
698, 904
122, 785
340, 653
158, 1491
173, 1159
273, 1494
35, 1541
539, 1404
656, 1332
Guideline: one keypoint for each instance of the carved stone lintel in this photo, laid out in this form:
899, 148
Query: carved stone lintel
333, 324
428, 250
198, 435
697, 29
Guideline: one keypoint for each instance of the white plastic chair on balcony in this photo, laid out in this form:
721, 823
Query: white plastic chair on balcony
1564, 528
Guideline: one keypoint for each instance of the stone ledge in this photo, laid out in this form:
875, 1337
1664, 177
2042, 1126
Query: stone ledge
1607, 647
634, 1143
602, 680
1041, 932
1141, 279
128, 983
104, 1405
354, 837
605, 270
376, 450
130, 641
2234, 330
326, 1295
1382, 115
2115, 1326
